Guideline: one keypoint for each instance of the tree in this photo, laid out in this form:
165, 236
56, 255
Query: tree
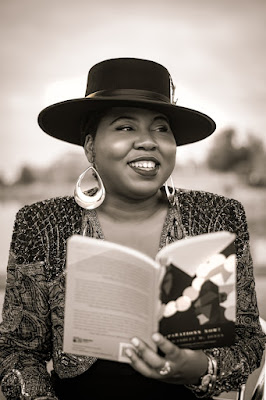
2, 181
26, 176
225, 155
256, 174
248, 162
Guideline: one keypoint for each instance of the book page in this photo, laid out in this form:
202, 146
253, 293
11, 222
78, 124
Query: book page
110, 294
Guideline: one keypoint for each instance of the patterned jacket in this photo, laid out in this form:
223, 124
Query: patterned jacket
32, 329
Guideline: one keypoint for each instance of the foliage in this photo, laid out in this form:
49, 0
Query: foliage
224, 155
26, 176
2, 181
248, 161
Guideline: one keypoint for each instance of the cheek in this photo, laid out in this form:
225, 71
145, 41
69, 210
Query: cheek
170, 153
113, 146
120, 148
108, 154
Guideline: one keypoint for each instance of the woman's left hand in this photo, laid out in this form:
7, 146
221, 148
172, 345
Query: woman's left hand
180, 366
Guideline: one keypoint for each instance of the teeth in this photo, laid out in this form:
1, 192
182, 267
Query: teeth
143, 164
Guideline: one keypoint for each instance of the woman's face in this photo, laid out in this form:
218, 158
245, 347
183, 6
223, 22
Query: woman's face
134, 151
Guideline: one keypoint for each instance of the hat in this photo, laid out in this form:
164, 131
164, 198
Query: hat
125, 82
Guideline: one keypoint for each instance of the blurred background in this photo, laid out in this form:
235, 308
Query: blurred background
215, 52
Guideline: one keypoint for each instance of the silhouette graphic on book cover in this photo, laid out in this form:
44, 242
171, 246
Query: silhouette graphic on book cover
198, 310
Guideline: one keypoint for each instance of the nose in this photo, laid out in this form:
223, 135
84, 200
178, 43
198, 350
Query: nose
145, 141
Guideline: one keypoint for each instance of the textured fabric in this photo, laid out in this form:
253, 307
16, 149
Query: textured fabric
32, 328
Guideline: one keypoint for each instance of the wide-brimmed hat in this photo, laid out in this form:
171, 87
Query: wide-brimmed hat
127, 82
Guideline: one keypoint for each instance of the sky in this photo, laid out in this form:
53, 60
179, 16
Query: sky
214, 50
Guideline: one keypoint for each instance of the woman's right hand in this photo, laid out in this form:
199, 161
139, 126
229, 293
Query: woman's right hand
184, 366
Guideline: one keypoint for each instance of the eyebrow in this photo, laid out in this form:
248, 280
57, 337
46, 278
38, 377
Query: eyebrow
122, 117
134, 119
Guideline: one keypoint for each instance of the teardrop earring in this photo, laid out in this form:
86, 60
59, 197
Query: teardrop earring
170, 195
86, 201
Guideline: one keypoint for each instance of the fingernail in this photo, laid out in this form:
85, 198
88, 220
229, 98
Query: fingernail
156, 337
135, 342
128, 352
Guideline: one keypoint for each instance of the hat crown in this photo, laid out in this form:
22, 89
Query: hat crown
129, 73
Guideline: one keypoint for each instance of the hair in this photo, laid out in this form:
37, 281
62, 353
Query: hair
89, 125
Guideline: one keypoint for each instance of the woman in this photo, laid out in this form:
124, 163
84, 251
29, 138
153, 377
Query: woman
129, 128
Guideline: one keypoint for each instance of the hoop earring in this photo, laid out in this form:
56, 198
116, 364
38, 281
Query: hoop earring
86, 201
170, 195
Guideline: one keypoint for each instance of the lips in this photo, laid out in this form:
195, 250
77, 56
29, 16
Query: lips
147, 166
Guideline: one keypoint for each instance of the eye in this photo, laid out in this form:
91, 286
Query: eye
162, 128
125, 128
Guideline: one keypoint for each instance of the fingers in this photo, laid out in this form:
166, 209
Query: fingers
146, 361
140, 365
145, 353
179, 366
170, 350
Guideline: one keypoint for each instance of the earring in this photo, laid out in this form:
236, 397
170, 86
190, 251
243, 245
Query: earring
170, 196
86, 201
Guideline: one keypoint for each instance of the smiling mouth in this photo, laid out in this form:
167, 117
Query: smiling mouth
143, 165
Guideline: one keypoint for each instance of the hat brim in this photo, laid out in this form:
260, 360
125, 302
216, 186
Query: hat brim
63, 120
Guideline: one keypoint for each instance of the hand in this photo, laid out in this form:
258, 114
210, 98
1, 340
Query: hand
185, 366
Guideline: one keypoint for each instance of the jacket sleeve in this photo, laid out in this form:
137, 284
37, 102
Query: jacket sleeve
25, 333
237, 362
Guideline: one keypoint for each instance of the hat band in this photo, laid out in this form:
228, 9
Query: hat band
130, 94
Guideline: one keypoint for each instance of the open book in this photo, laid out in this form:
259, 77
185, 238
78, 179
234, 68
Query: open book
114, 292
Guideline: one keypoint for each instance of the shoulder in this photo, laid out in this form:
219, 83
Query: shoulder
53, 208
206, 212
200, 198
45, 216
42, 228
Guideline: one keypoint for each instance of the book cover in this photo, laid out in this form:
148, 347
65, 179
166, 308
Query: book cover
198, 307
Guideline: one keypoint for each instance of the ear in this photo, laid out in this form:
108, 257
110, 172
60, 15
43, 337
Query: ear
89, 148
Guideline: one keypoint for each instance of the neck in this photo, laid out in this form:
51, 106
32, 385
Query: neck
121, 209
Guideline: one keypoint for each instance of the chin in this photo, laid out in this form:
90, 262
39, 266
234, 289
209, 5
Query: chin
143, 192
